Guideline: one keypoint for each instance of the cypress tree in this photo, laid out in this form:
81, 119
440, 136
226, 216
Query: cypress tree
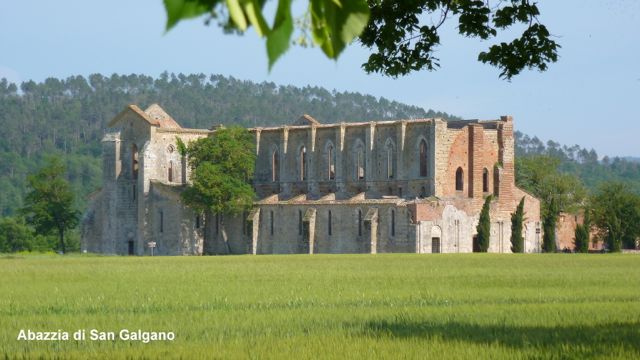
581, 238
517, 218
484, 226
549, 228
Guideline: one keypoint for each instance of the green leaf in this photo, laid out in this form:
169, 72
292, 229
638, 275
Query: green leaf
253, 11
185, 9
335, 24
278, 38
236, 14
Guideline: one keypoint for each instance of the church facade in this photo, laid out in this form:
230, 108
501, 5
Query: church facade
410, 186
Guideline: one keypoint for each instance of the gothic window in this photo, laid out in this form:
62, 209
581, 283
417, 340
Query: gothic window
170, 172
275, 166
359, 161
329, 223
485, 180
459, 179
331, 162
391, 161
134, 161
423, 158
302, 167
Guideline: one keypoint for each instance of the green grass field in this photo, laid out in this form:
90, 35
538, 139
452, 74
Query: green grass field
327, 306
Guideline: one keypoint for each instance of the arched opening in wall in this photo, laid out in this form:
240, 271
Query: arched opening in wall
170, 172
275, 166
359, 222
423, 158
359, 163
436, 235
161, 221
459, 179
390, 161
131, 250
134, 161
197, 221
331, 162
393, 222
329, 224
485, 180
302, 166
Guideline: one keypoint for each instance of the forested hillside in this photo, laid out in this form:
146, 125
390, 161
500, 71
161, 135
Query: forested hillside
68, 117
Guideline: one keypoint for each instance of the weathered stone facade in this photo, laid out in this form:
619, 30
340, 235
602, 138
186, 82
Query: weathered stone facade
367, 187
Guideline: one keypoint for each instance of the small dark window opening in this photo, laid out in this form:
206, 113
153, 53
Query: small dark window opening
275, 166
161, 221
459, 179
390, 162
359, 222
360, 164
329, 223
131, 248
423, 158
271, 222
331, 163
170, 172
134, 161
393, 223
134, 191
197, 221
485, 180
299, 222
303, 164
423, 192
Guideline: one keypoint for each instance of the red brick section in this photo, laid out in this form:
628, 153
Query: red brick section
505, 157
476, 157
458, 157
565, 232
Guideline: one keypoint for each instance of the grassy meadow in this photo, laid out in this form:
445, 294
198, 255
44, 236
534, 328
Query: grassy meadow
327, 306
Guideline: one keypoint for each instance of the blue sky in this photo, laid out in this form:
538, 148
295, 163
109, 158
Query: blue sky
589, 97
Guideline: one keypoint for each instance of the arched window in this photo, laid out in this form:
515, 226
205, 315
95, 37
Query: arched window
423, 158
170, 171
459, 179
275, 166
331, 162
391, 163
359, 222
329, 225
485, 180
134, 161
359, 161
393, 223
302, 166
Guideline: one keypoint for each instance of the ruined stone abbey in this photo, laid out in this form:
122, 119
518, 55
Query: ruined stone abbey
412, 186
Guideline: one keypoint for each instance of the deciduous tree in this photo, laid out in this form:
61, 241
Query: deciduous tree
222, 166
403, 35
616, 213
50, 204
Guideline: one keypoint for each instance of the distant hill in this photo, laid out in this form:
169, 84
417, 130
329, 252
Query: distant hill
68, 117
